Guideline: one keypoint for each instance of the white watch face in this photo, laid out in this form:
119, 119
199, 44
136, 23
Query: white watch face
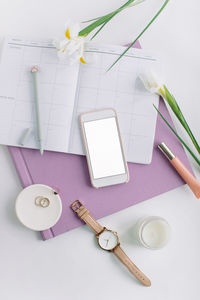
108, 240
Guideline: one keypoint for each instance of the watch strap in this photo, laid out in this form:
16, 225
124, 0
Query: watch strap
84, 215
118, 251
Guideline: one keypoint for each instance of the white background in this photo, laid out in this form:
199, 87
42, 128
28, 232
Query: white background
71, 266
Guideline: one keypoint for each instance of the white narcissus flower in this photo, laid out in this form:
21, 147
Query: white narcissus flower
152, 83
72, 46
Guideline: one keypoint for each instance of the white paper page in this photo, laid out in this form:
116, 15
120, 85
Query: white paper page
56, 85
120, 88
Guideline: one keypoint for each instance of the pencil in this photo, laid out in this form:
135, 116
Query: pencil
34, 72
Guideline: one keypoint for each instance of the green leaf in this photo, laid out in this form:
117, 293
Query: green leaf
101, 20
180, 139
88, 21
103, 25
99, 29
152, 20
91, 27
177, 111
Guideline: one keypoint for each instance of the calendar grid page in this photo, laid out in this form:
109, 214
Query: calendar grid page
56, 82
121, 89
65, 91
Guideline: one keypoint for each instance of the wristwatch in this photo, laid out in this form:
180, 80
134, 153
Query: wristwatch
108, 240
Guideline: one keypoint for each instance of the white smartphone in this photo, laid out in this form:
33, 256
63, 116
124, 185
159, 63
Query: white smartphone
103, 147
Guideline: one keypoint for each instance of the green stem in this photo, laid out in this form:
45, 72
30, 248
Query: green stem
100, 21
177, 111
91, 27
94, 19
181, 140
88, 21
103, 25
152, 20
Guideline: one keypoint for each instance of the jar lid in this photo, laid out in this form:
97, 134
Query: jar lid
38, 207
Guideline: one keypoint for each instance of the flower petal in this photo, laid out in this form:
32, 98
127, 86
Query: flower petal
72, 46
151, 82
74, 29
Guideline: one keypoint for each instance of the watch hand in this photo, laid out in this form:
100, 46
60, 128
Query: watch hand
106, 241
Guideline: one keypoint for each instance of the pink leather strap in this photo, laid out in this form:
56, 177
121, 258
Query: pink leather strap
131, 266
84, 214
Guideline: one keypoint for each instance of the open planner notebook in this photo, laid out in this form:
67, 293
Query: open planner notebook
65, 91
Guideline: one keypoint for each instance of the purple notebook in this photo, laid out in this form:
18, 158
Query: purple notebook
69, 174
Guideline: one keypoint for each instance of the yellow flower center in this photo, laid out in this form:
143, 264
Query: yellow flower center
162, 92
82, 60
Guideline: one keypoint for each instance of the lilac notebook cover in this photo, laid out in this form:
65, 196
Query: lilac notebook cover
69, 173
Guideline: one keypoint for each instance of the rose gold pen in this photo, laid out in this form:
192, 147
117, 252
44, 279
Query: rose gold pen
193, 183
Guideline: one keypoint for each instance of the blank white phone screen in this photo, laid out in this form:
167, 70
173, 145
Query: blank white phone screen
104, 147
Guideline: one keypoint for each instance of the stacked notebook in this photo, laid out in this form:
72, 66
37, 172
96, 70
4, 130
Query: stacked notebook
68, 174
65, 91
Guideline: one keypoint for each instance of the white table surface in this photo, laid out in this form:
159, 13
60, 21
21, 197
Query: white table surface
71, 266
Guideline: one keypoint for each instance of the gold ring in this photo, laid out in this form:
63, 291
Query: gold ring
42, 201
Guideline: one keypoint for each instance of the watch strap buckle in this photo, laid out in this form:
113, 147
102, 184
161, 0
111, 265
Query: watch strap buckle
78, 208
76, 205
